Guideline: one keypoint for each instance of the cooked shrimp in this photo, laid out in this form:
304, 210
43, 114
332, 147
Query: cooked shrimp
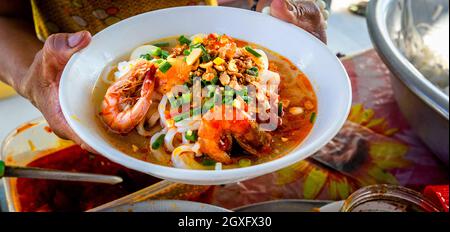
127, 101
215, 140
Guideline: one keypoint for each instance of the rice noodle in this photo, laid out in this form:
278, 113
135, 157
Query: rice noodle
159, 155
162, 111
184, 157
168, 139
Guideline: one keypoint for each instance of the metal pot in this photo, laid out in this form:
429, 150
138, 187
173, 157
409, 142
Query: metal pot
424, 105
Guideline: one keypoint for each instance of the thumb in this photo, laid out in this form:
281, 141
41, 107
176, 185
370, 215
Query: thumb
58, 48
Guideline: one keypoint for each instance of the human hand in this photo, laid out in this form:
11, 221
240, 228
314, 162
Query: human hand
303, 13
41, 83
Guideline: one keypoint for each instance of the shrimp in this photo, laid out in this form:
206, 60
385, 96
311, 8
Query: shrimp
215, 135
127, 101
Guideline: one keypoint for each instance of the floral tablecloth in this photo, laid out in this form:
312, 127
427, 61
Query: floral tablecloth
376, 145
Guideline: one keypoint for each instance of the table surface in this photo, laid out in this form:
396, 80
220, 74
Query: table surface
347, 34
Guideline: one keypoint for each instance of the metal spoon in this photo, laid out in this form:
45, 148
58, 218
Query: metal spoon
40, 173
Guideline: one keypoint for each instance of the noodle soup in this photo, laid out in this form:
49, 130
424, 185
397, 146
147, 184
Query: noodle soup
237, 104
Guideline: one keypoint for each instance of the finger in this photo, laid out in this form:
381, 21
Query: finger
63, 131
58, 48
304, 14
283, 10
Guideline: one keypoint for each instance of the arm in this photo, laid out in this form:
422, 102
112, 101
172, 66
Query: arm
19, 45
34, 68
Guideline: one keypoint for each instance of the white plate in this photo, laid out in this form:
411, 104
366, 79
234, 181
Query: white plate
165, 206
324, 70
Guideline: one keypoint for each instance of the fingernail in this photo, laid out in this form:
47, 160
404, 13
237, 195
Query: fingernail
75, 39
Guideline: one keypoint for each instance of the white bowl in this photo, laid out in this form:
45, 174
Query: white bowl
323, 69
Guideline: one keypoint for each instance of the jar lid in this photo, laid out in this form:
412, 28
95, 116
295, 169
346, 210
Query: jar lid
387, 198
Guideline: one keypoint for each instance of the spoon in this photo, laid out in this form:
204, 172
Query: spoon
40, 173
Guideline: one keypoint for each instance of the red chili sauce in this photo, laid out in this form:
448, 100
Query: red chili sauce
49, 195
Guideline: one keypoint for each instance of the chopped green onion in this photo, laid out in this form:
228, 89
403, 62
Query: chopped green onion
229, 93
181, 117
206, 58
186, 52
313, 117
208, 105
158, 142
184, 40
161, 45
280, 109
196, 46
191, 135
214, 80
147, 57
164, 54
158, 61
156, 52
211, 91
186, 98
208, 162
228, 100
252, 51
245, 163
253, 71
243, 92
164, 67
246, 99
174, 103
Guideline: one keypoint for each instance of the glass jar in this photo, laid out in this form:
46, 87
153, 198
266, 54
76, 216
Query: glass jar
387, 198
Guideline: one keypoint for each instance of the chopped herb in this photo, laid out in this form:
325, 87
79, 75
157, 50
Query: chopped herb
246, 99
184, 40
191, 136
313, 117
156, 52
186, 52
164, 54
174, 103
147, 57
164, 67
253, 71
212, 82
245, 163
158, 61
280, 109
252, 51
243, 92
186, 98
206, 58
208, 162
211, 91
181, 117
158, 142
195, 46
208, 105
229, 93
162, 45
